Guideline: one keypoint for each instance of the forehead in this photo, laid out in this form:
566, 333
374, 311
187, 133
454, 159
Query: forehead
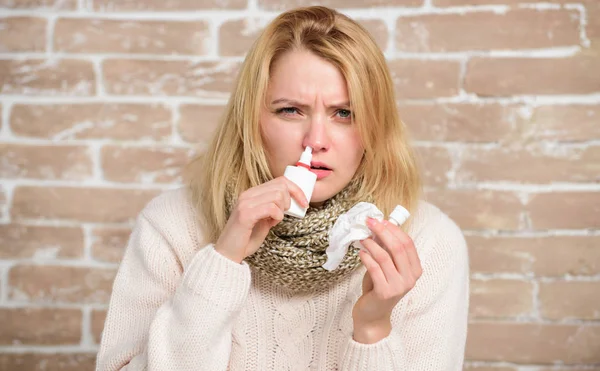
303, 75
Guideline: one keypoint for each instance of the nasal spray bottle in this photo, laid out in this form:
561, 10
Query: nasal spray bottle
399, 216
304, 178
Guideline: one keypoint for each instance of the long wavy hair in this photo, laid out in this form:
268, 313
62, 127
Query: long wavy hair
388, 171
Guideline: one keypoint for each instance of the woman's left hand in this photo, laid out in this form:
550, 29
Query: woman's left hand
393, 268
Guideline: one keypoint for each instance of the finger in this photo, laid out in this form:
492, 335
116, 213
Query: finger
267, 187
269, 210
280, 196
281, 183
393, 245
409, 246
382, 258
373, 269
285, 185
296, 192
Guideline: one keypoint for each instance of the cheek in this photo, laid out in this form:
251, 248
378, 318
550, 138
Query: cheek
268, 131
280, 142
350, 145
276, 139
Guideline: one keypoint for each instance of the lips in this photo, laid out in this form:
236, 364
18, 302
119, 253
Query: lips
321, 169
319, 165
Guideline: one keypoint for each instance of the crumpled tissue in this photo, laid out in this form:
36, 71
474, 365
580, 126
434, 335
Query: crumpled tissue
348, 228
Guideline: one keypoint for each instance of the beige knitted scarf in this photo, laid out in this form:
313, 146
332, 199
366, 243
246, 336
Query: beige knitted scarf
293, 252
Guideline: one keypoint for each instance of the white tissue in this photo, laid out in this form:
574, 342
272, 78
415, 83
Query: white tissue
350, 227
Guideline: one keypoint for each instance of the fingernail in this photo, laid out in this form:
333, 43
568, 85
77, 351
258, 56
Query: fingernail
370, 221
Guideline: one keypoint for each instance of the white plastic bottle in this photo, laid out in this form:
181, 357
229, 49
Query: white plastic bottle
399, 216
304, 178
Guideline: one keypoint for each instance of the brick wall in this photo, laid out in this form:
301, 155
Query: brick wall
103, 101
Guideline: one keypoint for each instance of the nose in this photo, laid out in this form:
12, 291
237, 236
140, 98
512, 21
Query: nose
317, 135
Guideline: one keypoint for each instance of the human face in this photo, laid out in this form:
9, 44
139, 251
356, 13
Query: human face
307, 105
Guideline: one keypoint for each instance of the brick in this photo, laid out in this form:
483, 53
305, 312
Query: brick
45, 162
378, 30
508, 76
47, 77
22, 241
501, 368
146, 37
160, 5
565, 210
420, 79
59, 284
592, 28
543, 256
236, 36
565, 123
98, 318
533, 343
40, 326
517, 29
478, 209
39, 4
92, 121
500, 298
447, 122
48, 362
2, 202
22, 34
488, 368
279, 5
95, 205
572, 299
145, 77
144, 165
498, 2
532, 164
436, 164
108, 244
197, 123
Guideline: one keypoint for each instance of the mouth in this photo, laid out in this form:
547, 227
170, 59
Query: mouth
321, 170
319, 166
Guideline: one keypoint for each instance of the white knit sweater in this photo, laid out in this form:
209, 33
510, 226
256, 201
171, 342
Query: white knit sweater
178, 305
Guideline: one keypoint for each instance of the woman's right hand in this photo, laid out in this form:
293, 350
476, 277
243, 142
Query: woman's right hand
257, 210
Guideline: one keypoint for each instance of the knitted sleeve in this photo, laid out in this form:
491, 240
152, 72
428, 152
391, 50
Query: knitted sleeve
430, 334
162, 317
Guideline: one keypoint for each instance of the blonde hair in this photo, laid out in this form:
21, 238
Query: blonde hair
388, 169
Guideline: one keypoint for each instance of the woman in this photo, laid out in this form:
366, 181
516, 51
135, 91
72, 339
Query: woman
215, 277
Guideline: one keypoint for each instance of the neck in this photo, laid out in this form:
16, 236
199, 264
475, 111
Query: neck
317, 204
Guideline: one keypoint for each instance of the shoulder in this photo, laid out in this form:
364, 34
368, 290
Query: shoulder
174, 217
169, 202
435, 233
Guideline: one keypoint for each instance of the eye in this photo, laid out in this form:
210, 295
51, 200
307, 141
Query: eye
345, 114
287, 111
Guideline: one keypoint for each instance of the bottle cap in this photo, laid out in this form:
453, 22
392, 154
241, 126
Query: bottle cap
399, 215
306, 156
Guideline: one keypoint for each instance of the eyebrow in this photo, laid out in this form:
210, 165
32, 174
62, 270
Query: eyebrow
302, 105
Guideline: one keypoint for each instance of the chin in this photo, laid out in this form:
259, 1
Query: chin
323, 192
